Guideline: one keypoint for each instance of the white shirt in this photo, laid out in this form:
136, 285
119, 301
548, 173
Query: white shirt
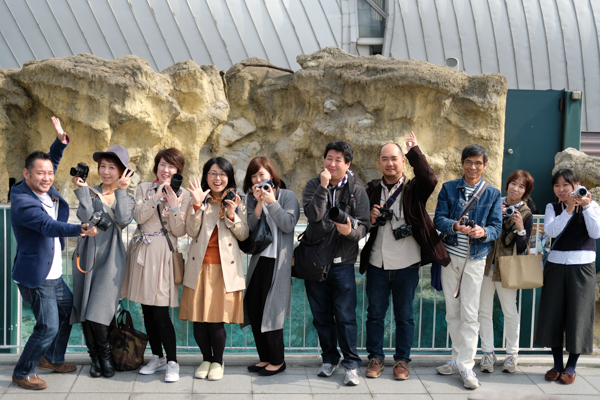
554, 225
51, 207
387, 252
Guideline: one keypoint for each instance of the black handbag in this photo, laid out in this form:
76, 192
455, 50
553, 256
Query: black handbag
260, 238
312, 260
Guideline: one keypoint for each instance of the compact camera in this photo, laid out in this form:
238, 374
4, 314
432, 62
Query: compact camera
230, 195
402, 231
99, 221
176, 181
510, 211
580, 191
266, 185
81, 170
385, 215
467, 222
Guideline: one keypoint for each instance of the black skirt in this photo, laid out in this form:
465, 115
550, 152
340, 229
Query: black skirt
567, 307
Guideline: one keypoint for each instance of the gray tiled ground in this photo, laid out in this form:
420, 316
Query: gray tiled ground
302, 383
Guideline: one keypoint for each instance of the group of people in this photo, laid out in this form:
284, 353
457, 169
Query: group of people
469, 232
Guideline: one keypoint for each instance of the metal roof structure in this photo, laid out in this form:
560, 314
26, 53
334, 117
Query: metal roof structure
536, 44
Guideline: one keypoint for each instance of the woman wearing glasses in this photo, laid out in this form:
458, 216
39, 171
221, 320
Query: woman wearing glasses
214, 275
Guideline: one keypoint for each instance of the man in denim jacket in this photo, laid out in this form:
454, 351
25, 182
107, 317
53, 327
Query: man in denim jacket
462, 311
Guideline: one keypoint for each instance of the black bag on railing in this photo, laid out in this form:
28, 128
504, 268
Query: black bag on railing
312, 260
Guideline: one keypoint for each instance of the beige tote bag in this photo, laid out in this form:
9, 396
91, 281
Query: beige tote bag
521, 272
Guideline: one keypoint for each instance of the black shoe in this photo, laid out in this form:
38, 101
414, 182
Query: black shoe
255, 368
90, 341
95, 368
266, 372
101, 333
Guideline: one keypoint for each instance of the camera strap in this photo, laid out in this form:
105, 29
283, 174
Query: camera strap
474, 197
103, 200
165, 231
390, 201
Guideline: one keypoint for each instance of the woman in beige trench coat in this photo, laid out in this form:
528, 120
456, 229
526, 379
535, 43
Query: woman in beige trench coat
214, 276
149, 275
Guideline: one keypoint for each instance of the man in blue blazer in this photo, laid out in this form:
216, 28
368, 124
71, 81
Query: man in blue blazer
39, 219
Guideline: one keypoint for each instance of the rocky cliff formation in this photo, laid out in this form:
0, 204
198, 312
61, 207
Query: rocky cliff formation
253, 110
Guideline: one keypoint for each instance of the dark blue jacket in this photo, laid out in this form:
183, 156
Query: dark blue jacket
35, 230
486, 212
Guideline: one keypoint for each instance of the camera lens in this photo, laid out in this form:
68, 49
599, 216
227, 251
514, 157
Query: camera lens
510, 211
337, 215
176, 181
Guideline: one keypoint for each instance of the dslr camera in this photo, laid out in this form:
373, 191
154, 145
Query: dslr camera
385, 215
99, 221
266, 185
81, 170
402, 231
176, 181
338, 215
580, 191
467, 222
510, 211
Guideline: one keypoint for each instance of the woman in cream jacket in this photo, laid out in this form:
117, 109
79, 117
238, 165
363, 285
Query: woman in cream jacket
214, 275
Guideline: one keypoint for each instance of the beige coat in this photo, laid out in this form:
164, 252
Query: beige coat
149, 274
199, 226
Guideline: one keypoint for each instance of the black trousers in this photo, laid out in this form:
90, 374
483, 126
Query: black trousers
160, 330
268, 344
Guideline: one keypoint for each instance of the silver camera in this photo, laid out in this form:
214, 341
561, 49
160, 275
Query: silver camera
580, 191
509, 211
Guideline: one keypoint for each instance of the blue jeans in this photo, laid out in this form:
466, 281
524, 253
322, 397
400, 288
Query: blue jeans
51, 304
333, 305
402, 283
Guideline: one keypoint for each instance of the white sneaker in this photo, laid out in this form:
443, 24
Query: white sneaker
202, 370
487, 362
172, 374
327, 370
351, 377
448, 369
510, 363
468, 378
156, 363
216, 371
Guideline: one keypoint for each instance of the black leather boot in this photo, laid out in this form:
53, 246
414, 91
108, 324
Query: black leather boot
104, 349
90, 342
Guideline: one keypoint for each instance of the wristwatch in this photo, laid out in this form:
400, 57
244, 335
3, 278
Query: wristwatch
522, 233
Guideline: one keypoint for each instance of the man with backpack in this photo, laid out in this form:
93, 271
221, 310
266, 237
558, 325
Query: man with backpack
335, 195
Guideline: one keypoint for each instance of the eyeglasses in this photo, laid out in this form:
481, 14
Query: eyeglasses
213, 175
470, 163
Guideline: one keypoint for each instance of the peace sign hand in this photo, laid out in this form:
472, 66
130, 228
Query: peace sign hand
60, 134
195, 189
125, 179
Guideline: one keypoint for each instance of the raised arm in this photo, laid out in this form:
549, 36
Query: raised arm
314, 200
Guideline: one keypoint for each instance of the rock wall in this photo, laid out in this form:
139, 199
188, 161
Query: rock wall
105, 102
252, 110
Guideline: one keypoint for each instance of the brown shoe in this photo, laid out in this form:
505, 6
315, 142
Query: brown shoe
64, 367
552, 375
374, 368
567, 378
401, 372
31, 382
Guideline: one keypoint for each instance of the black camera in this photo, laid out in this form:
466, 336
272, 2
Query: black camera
385, 215
580, 191
467, 222
266, 185
510, 211
337, 215
230, 195
402, 231
81, 170
176, 181
99, 221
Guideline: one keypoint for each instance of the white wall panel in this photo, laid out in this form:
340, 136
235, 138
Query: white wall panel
413, 29
247, 29
555, 44
324, 29
52, 33
431, 32
267, 33
211, 34
170, 30
229, 31
468, 37
7, 58
91, 29
30, 29
15, 40
305, 31
69, 26
399, 44
485, 36
518, 29
449, 29
110, 27
504, 42
286, 33
537, 41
